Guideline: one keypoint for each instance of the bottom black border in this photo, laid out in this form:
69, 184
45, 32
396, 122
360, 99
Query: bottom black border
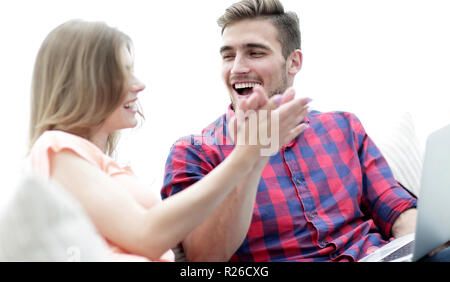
175, 271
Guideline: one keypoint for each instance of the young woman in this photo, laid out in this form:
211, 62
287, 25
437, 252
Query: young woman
83, 92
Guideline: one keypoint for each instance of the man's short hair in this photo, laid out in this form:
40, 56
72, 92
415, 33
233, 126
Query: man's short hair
286, 23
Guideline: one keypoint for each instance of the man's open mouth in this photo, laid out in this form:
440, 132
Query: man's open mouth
245, 88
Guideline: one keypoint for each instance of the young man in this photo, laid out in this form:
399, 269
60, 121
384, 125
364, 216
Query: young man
328, 195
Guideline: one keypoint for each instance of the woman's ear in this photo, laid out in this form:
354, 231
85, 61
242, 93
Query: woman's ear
295, 61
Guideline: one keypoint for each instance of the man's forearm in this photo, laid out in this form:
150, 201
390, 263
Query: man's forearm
218, 238
405, 223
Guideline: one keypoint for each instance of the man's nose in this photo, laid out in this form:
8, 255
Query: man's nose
240, 65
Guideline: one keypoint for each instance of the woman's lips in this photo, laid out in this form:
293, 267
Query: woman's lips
131, 105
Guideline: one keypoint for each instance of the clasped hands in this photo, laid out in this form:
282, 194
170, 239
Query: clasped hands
265, 125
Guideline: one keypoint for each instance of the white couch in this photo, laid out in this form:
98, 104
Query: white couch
399, 144
42, 222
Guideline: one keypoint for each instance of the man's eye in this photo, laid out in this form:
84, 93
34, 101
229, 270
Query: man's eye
256, 54
227, 57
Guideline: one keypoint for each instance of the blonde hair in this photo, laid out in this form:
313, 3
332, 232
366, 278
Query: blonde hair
78, 79
287, 23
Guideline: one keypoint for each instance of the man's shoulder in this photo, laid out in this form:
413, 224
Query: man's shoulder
331, 114
218, 125
342, 119
212, 135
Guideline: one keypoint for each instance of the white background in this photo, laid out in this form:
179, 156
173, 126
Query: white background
377, 59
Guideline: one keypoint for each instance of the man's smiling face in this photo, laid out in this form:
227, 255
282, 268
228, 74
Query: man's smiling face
252, 55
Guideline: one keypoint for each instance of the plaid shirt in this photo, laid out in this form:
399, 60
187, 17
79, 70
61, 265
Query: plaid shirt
329, 195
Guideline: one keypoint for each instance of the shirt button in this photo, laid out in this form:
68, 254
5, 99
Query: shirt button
298, 181
323, 244
312, 215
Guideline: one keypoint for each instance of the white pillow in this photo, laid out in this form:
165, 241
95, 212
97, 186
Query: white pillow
42, 222
400, 146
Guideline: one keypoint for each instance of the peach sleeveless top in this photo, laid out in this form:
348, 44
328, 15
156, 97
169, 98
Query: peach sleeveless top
53, 141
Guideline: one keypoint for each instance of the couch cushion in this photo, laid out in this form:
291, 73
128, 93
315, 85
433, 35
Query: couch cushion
42, 222
398, 142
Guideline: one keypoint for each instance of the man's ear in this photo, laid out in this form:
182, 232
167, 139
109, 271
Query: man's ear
294, 62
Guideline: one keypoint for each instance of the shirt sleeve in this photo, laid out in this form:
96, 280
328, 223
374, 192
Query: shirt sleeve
383, 198
185, 165
52, 142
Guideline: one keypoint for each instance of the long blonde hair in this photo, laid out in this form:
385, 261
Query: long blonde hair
78, 79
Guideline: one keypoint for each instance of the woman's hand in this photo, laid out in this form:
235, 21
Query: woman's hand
262, 126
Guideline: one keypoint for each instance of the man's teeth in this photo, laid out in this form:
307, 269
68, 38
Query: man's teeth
245, 85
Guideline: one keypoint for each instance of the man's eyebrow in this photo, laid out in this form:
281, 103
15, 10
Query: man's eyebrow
246, 46
256, 45
225, 48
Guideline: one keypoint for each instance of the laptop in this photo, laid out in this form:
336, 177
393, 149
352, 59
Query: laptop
433, 207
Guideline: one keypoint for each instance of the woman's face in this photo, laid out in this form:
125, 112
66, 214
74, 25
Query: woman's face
125, 115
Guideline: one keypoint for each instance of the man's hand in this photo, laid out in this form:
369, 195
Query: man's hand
406, 224
277, 121
438, 249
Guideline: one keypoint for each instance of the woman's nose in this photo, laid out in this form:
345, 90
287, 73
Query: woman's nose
137, 85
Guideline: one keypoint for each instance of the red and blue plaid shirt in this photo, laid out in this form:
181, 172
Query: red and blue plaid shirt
329, 195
